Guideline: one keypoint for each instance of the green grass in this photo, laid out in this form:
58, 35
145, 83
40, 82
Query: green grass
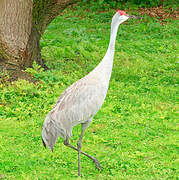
134, 135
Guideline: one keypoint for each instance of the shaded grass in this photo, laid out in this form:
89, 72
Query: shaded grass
134, 135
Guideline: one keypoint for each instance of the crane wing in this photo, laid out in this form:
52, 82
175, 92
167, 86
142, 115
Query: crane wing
80, 101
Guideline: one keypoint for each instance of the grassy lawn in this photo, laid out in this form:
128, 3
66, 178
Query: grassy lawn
134, 135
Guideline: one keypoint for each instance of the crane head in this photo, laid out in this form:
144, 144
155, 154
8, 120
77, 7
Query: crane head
120, 17
123, 13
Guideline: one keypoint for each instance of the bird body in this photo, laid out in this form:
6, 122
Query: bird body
81, 101
76, 105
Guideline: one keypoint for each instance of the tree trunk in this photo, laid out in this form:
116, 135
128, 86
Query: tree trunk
22, 23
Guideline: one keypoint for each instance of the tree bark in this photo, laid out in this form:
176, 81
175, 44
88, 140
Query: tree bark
22, 23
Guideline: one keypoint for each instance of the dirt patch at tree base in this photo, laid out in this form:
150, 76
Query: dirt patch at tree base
161, 13
7, 76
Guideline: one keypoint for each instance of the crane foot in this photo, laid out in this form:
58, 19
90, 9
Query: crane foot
98, 165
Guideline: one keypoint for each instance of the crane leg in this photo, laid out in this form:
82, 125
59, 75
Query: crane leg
79, 144
66, 143
98, 166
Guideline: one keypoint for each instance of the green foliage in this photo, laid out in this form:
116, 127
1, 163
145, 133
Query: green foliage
134, 135
129, 3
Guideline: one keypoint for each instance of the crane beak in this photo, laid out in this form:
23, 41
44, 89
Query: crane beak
134, 17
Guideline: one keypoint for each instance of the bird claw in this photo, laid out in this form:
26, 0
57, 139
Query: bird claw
98, 165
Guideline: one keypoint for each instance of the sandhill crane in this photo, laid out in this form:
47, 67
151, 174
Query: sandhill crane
81, 101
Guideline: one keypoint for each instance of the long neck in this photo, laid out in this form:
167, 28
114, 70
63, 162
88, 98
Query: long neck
104, 68
107, 61
111, 47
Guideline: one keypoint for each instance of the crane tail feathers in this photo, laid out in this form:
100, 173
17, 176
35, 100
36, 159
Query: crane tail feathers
44, 143
49, 133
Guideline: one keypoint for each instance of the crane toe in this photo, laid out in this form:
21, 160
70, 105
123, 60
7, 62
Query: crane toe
98, 165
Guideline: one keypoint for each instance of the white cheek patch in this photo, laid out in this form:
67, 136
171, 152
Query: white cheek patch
124, 17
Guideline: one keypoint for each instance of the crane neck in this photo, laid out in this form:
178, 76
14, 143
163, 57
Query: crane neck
111, 47
105, 66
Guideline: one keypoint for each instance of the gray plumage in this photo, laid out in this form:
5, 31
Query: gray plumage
81, 101
77, 104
